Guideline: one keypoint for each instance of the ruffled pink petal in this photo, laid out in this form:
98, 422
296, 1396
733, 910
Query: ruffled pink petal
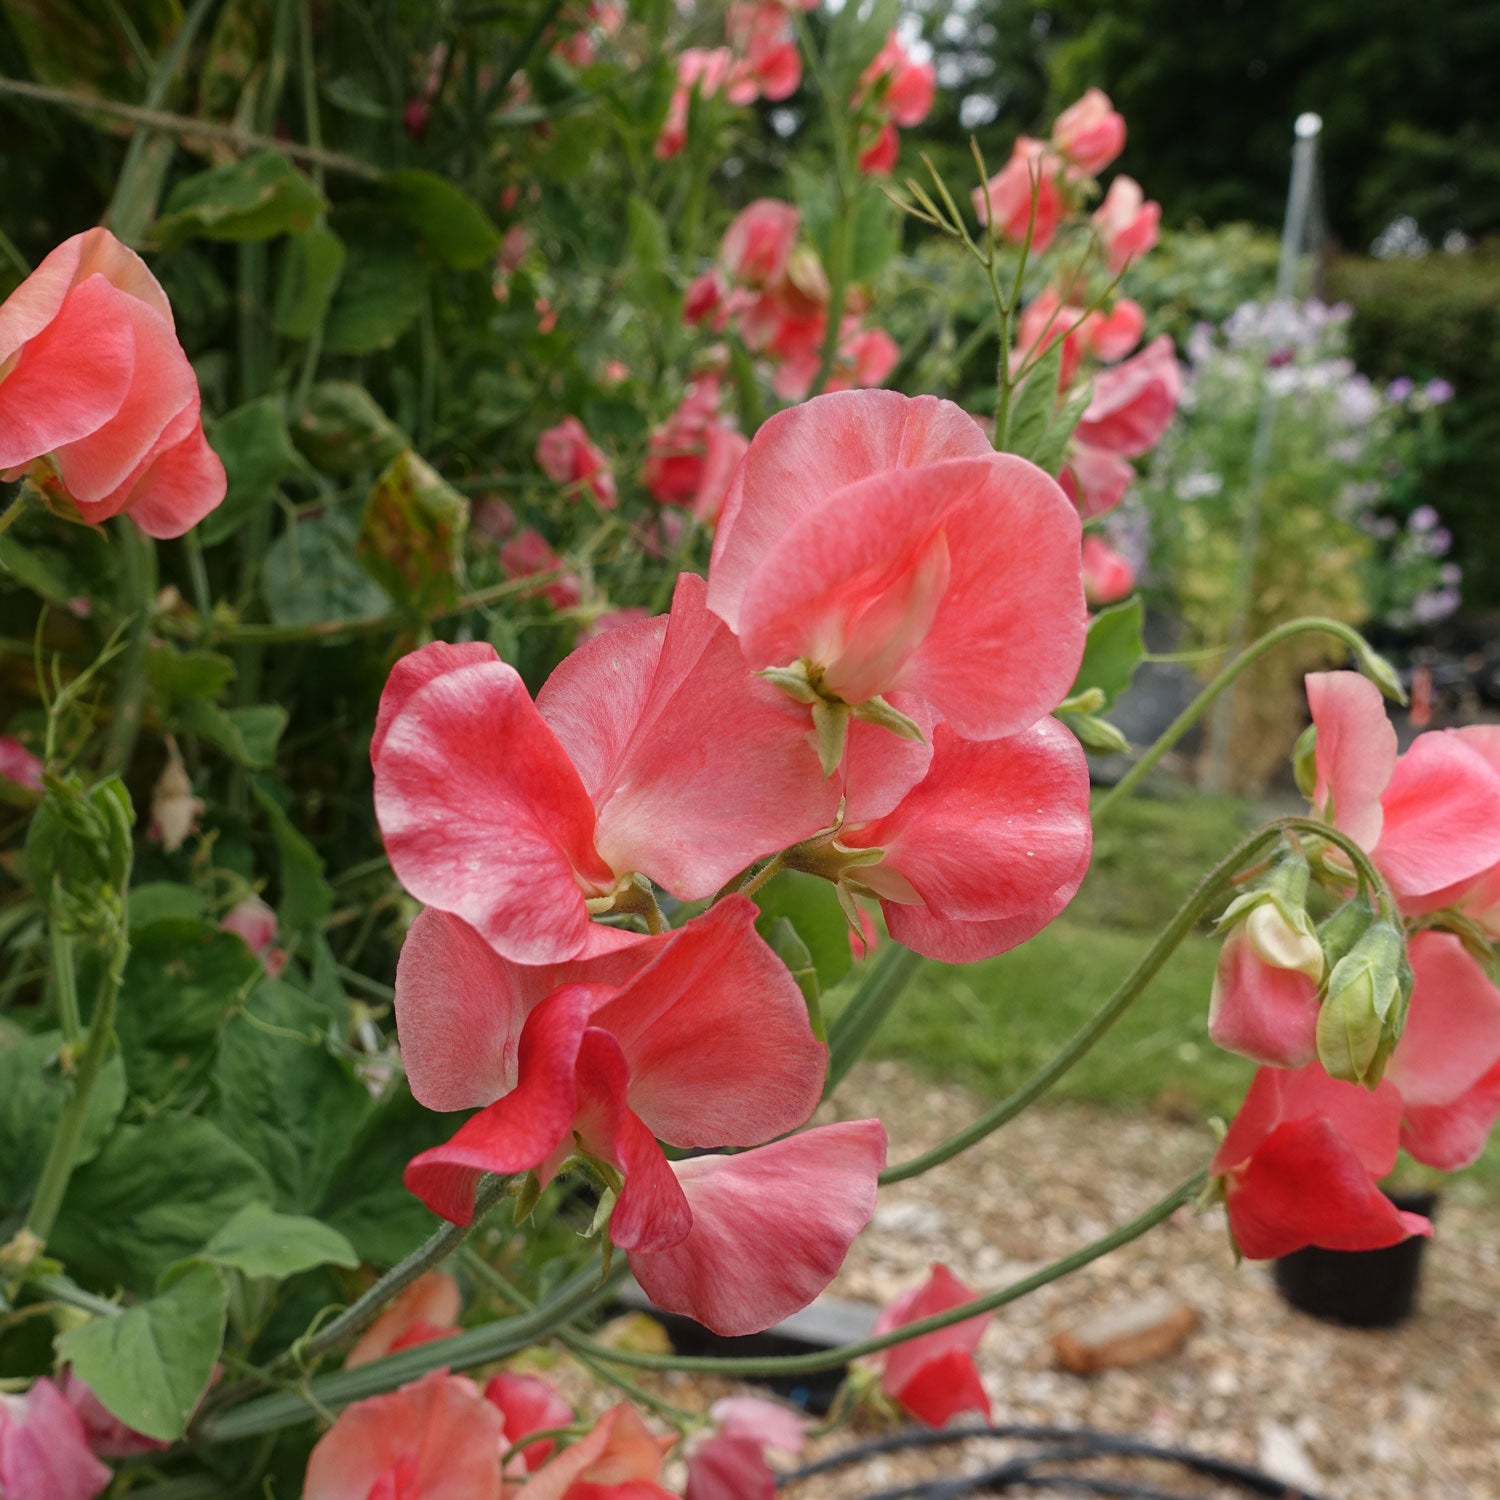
1355, 752
431, 1301
1267, 1014
71, 377
618, 1460
44, 1451
933, 1376
528, 1404
1452, 1033
728, 1467
1134, 401
438, 1433
771, 1227
484, 816
805, 454
415, 670
716, 1034
1441, 817
677, 798
1094, 479
1453, 1135
768, 1424
1304, 1185
177, 484
522, 1129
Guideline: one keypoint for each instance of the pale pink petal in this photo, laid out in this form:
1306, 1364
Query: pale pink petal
44, 1451
432, 1300
176, 486
1355, 753
1094, 479
1133, 402
1267, 1014
618, 1460
1452, 1033
728, 1467
768, 1424
1453, 1135
771, 1227
415, 670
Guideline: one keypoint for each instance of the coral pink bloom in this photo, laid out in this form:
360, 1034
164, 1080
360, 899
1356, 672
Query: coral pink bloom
986, 850
435, 1439
693, 455
528, 553
1127, 222
1134, 402
1478, 897
528, 1404
704, 299
1090, 132
879, 540
92, 375
758, 243
1046, 320
1430, 819
620, 766
871, 356
44, 1450
1106, 575
19, 765
427, 1310
1301, 1161
618, 1460
901, 87
566, 456
1261, 1009
1447, 1063
1094, 480
879, 157
698, 70
1113, 336
730, 1464
1030, 173
933, 1376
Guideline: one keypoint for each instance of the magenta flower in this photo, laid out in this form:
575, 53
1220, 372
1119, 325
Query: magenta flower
44, 1449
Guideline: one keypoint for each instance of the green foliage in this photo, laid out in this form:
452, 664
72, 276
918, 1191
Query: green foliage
257, 198
412, 532
1113, 650
258, 1241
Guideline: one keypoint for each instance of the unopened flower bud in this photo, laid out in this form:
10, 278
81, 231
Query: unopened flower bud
1361, 1015
1285, 939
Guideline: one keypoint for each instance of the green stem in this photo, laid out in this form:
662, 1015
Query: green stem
578, 1295
12, 513
65, 984
58, 1170
138, 576
856, 1024
828, 1359
1373, 665
764, 876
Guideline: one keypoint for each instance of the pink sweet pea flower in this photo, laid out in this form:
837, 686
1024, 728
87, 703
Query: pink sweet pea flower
900, 87
108, 1436
698, 70
528, 553
870, 356
879, 541
1447, 1063
1090, 132
1114, 335
92, 377
693, 455
425, 1312
698, 1036
1134, 402
1094, 480
704, 300
620, 766
878, 158
1301, 1161
985, 851
1264, 1003
1430, 819
566, 456
1045, 320
1031, 172
758, 243
19, 765
770, 66
934, 1376
1106, 575
528, 1404
730, 1463
1127, 222
44, 1449
436, 1439
254, 922
618, 1460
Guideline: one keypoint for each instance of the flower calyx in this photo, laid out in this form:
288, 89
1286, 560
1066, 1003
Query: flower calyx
1364, 1006
1277, 925
802, 682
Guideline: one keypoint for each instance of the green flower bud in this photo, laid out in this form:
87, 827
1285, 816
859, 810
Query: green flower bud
1363, 1009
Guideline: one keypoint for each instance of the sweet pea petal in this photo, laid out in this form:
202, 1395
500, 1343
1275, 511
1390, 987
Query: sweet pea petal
1453, 1135
44, 1451
1452, 1033
1355, 753
933, 1376
1267, 1014
528, 1404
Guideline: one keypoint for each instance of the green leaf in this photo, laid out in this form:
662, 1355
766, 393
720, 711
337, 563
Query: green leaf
152, 1197
151, 1364
248, 736
380, 292
452, 226
787, 945
1053, 447
810, 192
258, 1241
256, 198
165, 901
411, 534
811, 905
40, 571
306, 897
1113, 651
310, 573
311, 267
33, 1090
188, 674
258, 456
1032, 409
284, 1097
646, 250
342, 428
182, 979
877, 235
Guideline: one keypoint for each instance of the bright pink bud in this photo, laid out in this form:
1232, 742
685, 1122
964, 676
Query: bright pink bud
566, 455
1301, 1161
1095, 480
255, 922
435, 1439
1032, 171
1090, 133
1126, 222
759, 241
879, 157
44, 1450
1134, 402
901, 87
426, 1311
1261, 1009
92, 377
1106, 575
528, 1404
19, 765
934, 1376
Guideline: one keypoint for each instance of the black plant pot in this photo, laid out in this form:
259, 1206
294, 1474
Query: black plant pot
1362, 1288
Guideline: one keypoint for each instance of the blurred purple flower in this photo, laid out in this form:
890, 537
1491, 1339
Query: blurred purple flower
1399, 389
1439, 392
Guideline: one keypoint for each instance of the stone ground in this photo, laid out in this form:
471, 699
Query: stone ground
1348, 1414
